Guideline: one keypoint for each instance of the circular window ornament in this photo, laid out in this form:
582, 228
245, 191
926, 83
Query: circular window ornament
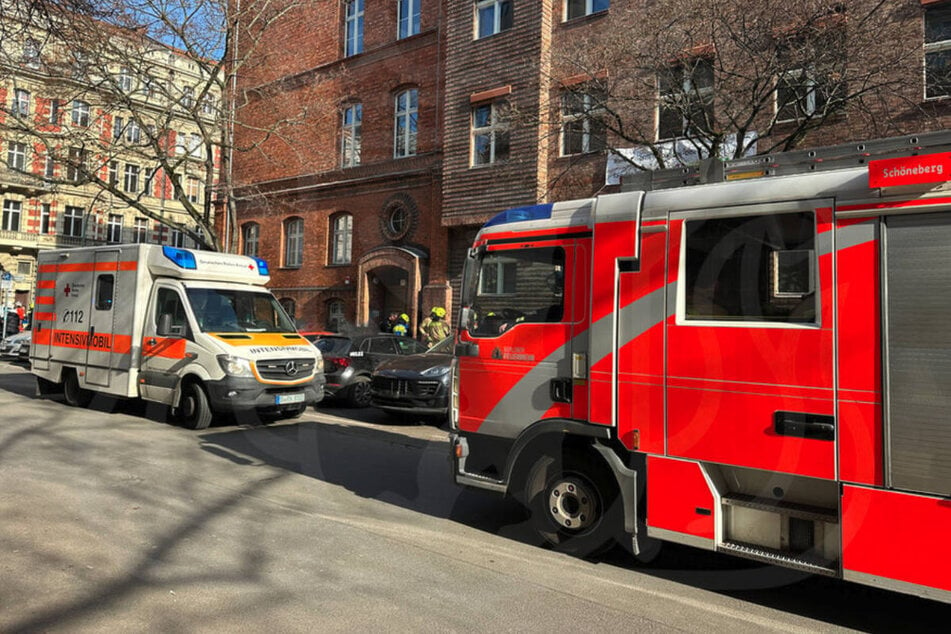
399, 218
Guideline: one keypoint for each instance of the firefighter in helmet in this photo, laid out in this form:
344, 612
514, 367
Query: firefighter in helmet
401, 327
437, 329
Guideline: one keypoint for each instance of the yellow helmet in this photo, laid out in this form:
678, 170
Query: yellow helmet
439, 311
405, 317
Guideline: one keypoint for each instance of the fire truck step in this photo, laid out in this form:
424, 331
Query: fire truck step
789, 509
806, 563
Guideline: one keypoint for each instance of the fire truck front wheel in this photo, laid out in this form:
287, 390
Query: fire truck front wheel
74, 395
194, 410
574, 503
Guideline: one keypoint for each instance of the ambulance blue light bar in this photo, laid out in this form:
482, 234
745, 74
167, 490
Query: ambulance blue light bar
262, 266
521, 214
184, 259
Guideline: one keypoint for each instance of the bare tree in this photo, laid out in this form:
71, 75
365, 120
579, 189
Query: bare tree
133, 102
680, 80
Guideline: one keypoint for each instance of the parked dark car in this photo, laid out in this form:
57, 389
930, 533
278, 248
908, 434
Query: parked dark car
349, 361
418, 384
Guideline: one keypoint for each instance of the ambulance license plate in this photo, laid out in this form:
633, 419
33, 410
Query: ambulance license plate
284, 399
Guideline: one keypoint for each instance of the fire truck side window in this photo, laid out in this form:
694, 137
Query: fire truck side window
513, 287
751, 268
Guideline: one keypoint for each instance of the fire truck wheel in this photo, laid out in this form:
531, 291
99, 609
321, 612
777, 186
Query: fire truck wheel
74, 395
358, 394
193, 411
574, 503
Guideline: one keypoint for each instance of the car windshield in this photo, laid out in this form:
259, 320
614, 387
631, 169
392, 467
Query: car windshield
333, 346
443, 347
229, 310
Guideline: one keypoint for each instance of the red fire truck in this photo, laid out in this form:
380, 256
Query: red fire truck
751, 357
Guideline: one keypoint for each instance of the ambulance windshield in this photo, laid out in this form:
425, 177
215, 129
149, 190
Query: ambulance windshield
228, 310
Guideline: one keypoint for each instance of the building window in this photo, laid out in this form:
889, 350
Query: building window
208, 105
194, 145
938, 51
20, 107
31, 53
492, 16
113, 175
342, 233
45, 218
581, 8
140, 230
490, 135
750, 268
73, 221
177, 238
54, 112
16, 155
354, 28
192, 189
350, 135
407, 18
582, 127
76, 167
114, 228
404, 125
335, 315
686, 100
80, 115
293, 242
188, 97
124, 80
118, 127
130, 182
148, 178
49, 167
11, 215
252, 232
133, 133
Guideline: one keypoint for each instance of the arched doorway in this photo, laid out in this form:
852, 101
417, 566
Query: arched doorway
390, 281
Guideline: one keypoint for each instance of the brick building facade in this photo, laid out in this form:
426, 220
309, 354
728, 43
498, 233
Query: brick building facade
504, 121
343, 193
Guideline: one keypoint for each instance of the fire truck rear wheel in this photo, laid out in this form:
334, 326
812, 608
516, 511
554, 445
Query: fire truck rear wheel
194, 410
74, 395
574, 503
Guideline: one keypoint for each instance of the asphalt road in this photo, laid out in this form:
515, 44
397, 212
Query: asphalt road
113, 520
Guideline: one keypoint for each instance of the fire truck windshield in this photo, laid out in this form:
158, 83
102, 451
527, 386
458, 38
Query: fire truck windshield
227, 310
503, 289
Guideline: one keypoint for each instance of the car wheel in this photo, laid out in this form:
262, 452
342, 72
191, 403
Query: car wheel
194, 410
574, 503
74, 395
358, 394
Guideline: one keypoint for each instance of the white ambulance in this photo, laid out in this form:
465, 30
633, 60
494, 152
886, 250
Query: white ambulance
194, 330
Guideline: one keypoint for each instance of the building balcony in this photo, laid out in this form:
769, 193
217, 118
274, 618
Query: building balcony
37, 241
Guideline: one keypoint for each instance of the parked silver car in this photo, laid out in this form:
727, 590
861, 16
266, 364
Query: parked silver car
16, 347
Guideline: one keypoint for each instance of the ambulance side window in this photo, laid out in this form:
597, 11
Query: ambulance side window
168, 302
751, 268
105, 285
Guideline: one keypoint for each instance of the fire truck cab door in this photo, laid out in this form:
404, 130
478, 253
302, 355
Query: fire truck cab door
521, 322
750, 346
100, 352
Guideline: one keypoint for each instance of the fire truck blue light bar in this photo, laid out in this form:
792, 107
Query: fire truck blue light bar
521, 214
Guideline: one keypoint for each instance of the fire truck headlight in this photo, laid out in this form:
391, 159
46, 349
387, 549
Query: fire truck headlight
235, 366
437, 370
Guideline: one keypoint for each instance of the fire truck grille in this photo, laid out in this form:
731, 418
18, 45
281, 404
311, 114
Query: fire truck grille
285, 369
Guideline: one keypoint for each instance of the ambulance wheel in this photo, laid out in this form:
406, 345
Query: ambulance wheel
74, 395
193, 411
358, 394
574, 503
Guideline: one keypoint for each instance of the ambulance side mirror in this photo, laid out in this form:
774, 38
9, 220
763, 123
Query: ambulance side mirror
165, 327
